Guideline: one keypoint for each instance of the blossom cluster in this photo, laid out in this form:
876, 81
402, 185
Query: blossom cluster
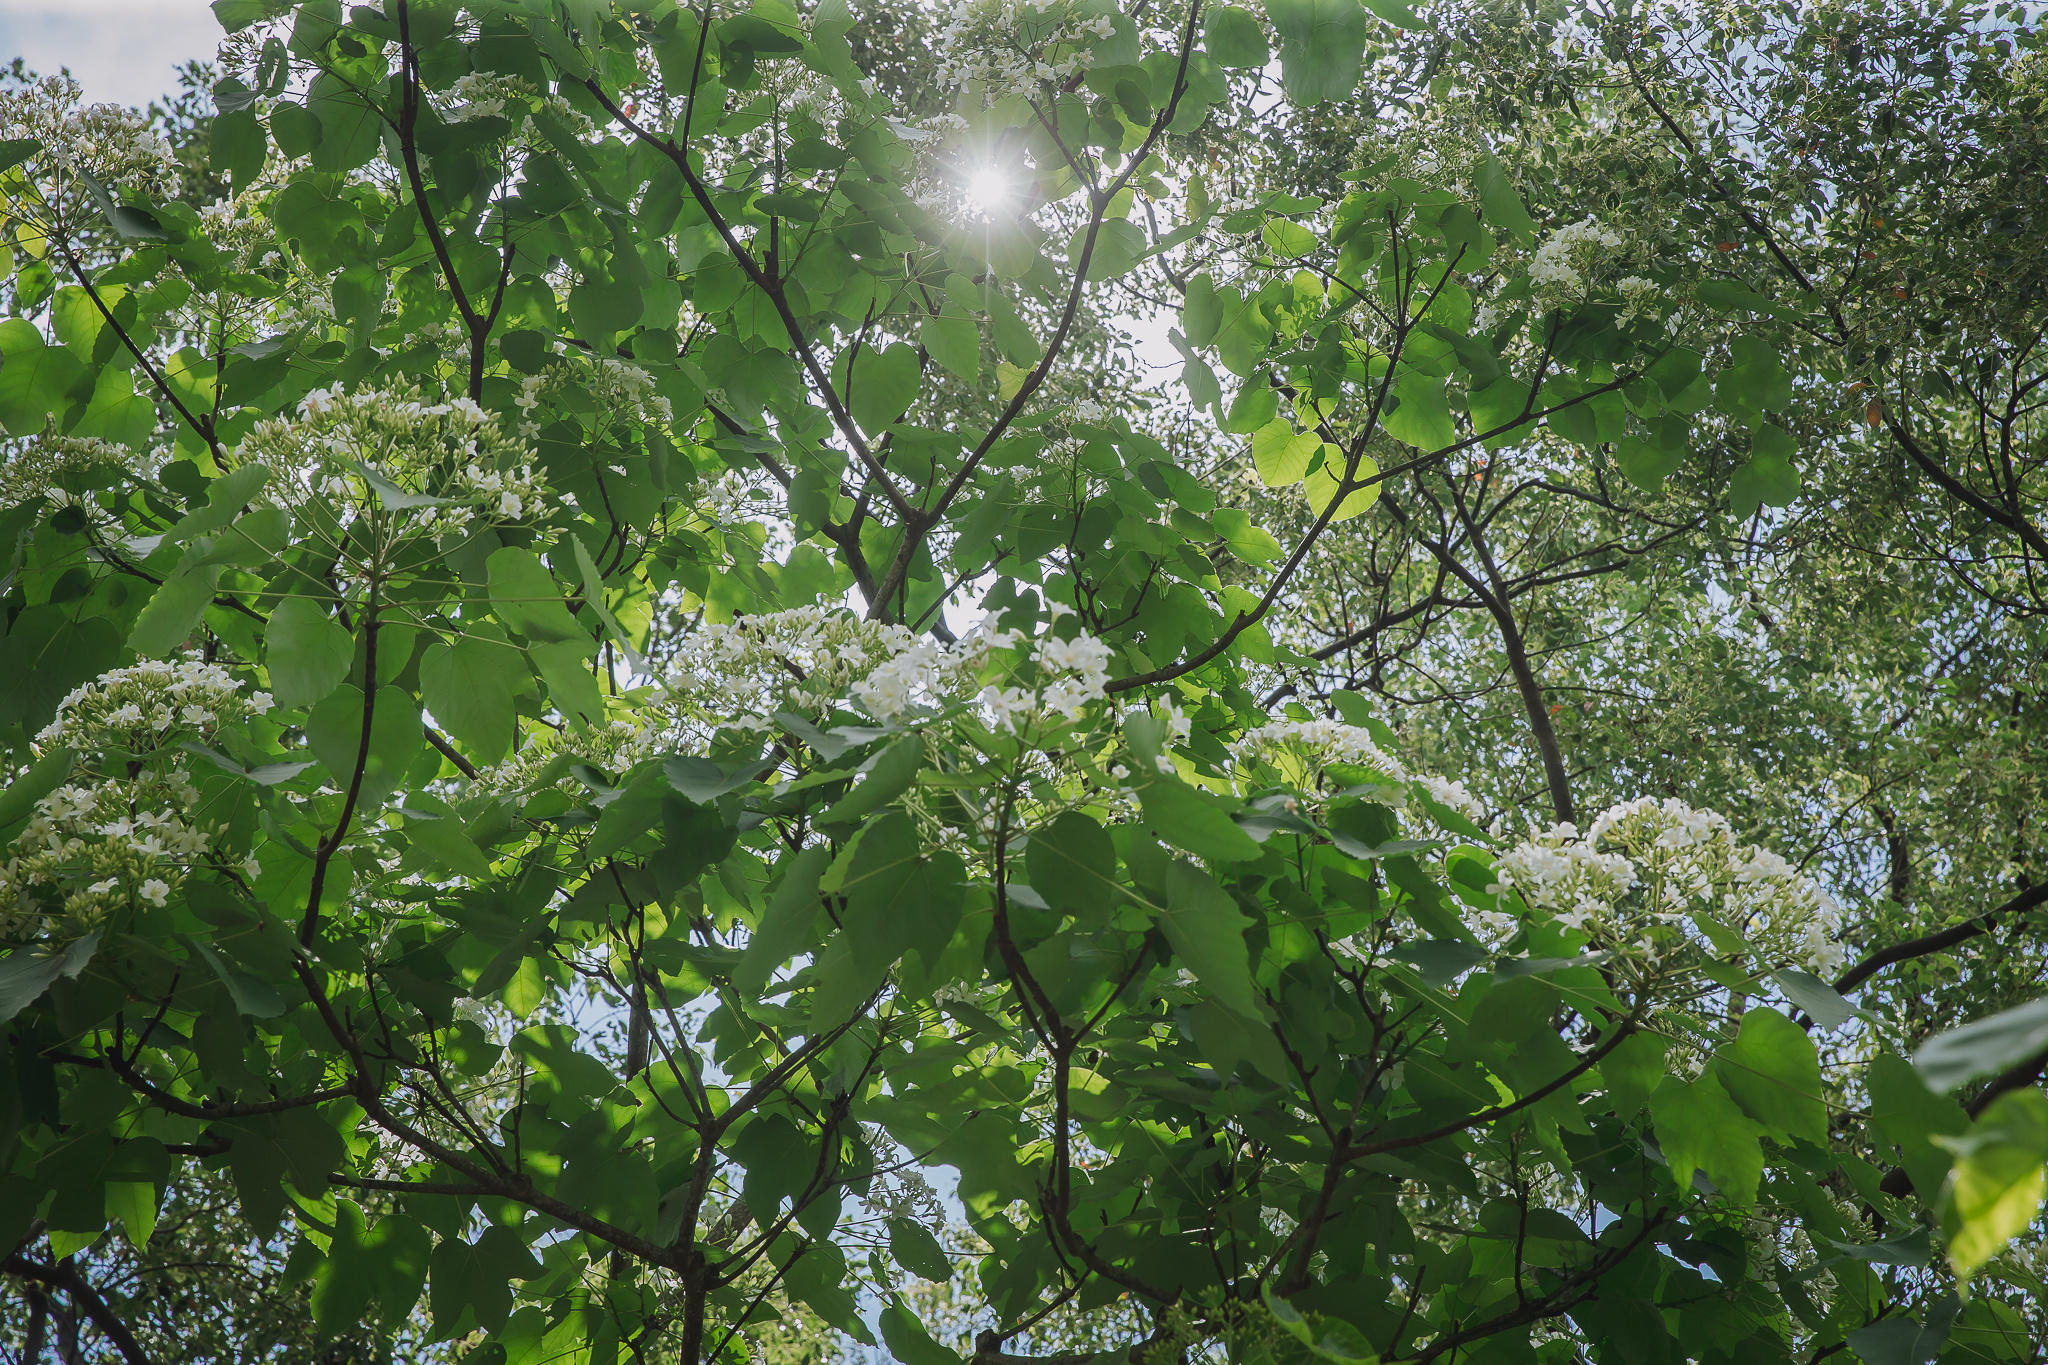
451, 457
138, 710
612, 747
1005, 48
113, 145
490, 94
618, 389
806, 659
1314, 744
39, 469
1561, 270
1647, 864
99, 845
93, 849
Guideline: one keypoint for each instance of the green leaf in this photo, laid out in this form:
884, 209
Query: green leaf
1288, 238
1186, 819
1731, 296
44, 776
468, 689
15, 150
1072, 865
1500, 403
1700, 1128
884, 383
1395, 13
916, 1250
1999, 1180
1502, 205
172, 611
334, 729
593, 597
1902, 1340
572, 686
1322, 47
350, 125
444, 842
1983, 1046
889, 775
1440, 961
787, 922
26, 973
1321, 486
134, 1203
1768, 478
1282, 455
306, 652
1753, 382
474, 1279
117, 413
1773, 1072
1423, 418
898, 900
1233, 37
1911, 1116
237, 147
1632, 1071
1119, 246
226, 497
252, 995
955, 342
1648, 460
525, 596
605, 308
1821, 1001
386, 1264
35, 379
1227, 1040
908, 1340
1206, 928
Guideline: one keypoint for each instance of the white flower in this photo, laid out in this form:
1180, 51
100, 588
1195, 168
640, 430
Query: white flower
156, 891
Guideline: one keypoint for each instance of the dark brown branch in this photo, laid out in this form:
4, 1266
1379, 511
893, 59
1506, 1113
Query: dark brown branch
1941, 940
65, 1275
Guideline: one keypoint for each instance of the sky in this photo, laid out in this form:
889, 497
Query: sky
121, 51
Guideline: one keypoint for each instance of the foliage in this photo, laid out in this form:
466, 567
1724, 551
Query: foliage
453, 805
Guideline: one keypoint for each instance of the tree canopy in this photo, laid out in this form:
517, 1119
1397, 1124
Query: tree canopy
642, 721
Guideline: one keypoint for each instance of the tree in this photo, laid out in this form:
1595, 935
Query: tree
453, 805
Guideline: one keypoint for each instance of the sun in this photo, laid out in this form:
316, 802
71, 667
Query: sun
989, 189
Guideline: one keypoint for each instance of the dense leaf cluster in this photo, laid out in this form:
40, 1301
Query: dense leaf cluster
453, 807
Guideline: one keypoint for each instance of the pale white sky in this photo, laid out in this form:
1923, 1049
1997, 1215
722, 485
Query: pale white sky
121, 51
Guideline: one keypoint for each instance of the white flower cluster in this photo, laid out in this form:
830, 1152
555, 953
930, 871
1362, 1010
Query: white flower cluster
995, 49
44, 460
799, 660
137, 710
488, 94
1647, 863
1071, 673
1319, 742
620, 391
1561, 269
101, 845
612, 747
806, 659
1454, 794
1557, 871
1638, 296
900, 1190
452, 452
113, 145
90, 851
